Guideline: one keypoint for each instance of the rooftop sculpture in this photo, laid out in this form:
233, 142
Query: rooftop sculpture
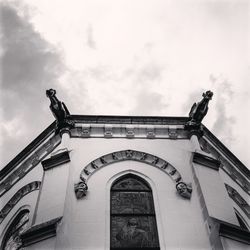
198, 112
60, 112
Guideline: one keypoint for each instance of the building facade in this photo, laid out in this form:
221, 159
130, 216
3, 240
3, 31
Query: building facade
116, 182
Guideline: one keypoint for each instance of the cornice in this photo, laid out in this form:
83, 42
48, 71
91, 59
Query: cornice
27, 150
215, 141
56, 160
206, 161
234, 232
40, 232
133, 126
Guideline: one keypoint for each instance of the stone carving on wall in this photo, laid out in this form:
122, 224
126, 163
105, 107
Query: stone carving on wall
81, 189
130, 155
184, 190
29, 164
18, 196
60, 112
172, 172
198, 111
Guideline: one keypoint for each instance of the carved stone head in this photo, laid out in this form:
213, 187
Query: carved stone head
81, 189
50, 92
184, 190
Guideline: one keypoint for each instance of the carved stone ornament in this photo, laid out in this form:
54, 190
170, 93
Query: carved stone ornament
198, 112
33, 186
81, 189
130, 155
60, 112
184, 190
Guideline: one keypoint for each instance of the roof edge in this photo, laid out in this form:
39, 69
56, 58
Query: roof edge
115, 119
33, 145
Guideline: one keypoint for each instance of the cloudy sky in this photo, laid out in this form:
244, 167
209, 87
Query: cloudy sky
140, 57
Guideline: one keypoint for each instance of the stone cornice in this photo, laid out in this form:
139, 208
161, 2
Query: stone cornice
206, 161
215, 141
35, 185
56, 160
226, 165
27, 150
40, 232
234, 232
129, 131
30, 162
172, 133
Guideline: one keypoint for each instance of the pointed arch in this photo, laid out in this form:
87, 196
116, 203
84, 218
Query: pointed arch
131, 155
11, 239
132, 214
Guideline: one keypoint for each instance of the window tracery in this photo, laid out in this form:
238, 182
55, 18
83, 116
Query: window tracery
12, 240
133, 223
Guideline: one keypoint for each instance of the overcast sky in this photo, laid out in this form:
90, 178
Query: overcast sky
124, 58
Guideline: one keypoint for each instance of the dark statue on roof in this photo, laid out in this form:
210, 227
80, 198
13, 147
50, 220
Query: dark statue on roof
198, 111
60, 111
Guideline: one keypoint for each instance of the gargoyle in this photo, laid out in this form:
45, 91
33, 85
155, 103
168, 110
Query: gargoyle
60, 111
198, 111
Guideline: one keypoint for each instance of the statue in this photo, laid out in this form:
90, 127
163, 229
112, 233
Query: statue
198, 111
59, 111
81, 189
184, 190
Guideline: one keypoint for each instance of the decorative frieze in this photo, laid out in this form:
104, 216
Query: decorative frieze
29, 163
40, 232
129, 131
18, 196
128, 155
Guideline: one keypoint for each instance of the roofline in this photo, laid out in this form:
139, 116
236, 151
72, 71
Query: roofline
226, 151
25, 152
114, 119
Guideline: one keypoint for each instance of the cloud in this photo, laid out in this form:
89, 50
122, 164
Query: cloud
90, 39
29, 65
149, 103
223, 125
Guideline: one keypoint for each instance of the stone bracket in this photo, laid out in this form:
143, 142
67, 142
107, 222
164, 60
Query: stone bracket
56, 160
234, 232
40, 232
206, 161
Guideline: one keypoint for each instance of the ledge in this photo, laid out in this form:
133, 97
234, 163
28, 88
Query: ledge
56, 160
40, 232
206, 161
234, 232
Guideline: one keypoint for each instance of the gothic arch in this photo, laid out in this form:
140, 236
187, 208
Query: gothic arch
238, 199
19, 222
131, 155
132, 202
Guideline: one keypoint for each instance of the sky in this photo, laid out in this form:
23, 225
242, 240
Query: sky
114, 57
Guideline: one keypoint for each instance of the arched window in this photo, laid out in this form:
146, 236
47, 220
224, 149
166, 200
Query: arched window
12, 239
241, 220
133, 223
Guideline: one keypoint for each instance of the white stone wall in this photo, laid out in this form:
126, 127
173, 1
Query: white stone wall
86, 222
